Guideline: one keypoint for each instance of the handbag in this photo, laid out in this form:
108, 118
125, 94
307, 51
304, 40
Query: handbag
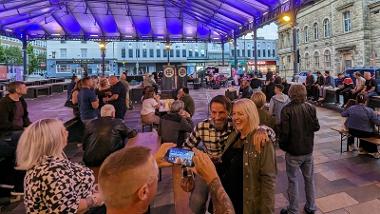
187, 180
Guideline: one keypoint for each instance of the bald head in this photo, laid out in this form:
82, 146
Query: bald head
128, 177
107, 111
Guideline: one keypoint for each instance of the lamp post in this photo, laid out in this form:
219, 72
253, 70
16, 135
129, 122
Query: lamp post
167, 48
102, 46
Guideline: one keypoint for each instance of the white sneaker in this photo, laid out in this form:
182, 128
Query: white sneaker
375, 155
352, 148
363, 152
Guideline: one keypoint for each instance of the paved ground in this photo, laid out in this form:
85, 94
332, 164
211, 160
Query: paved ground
346, 183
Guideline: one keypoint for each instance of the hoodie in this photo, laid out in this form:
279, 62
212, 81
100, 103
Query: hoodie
276, 104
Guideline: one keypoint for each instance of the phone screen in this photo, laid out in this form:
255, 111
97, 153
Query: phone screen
180, 156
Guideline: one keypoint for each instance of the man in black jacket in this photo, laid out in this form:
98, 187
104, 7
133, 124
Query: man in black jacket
298, 123
104, 136
13, 111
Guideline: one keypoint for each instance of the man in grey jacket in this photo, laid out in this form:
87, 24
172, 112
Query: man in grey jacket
277, 102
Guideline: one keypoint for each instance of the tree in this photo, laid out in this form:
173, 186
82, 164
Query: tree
2, 55
12, 55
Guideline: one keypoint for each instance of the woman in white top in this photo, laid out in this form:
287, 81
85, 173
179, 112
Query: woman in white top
151, 102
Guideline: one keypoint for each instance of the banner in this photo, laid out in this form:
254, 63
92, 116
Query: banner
3, 72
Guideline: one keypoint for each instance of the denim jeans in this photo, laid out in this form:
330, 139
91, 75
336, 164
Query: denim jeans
293, 164
199, 196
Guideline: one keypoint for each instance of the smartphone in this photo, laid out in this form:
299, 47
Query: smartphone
180, 156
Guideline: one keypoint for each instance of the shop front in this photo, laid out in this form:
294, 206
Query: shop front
262, 65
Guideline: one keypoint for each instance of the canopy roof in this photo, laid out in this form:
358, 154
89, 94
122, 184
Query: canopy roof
167, 20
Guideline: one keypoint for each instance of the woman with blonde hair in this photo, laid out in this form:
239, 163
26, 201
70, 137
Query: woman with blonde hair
53, 184
260, 99
250, 163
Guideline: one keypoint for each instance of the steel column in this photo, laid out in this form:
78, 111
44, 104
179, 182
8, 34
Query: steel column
235, 55
223, 54
255, 47
25, 56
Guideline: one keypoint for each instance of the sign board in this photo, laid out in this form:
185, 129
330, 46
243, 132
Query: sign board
252, 63
182, 77
3, 72
168, 79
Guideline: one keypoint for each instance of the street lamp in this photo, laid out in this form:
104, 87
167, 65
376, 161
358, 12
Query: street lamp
290, 18
167, 48
102, 46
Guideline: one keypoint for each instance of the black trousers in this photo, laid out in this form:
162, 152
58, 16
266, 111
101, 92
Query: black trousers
367, 146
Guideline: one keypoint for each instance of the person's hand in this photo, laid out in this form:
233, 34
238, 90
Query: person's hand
261, 137
204, 167
160, 154
184, 114
98, 199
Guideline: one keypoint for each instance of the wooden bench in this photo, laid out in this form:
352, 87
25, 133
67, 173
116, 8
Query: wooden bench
59, 87
330, 95
373, 140
343, 136
37, 90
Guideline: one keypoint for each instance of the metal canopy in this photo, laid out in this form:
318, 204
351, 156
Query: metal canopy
155, 20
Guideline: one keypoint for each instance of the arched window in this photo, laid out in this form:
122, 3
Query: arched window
306, 34
327, 58
316, 59
326, 28
298, 36
307, 61
316, 31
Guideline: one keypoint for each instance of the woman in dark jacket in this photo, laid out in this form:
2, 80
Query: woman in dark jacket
175, 125
249, 163
266, 119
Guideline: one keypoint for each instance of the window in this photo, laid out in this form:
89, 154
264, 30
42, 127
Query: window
249, 53
327, 57
268, 53
243, 53
238, 53
264, 53
316, 59
63, 41
326, 28
151, 53
137, 53
171, 53
273, 52
307, 61
196, 53
63, 52
306, 34
253, 53
166, 53
316, 31
145, 53
177, 53
123, 53
130, 53
347, 21
190, 53
184, 53
83, 52
258, 53
53, 54
233, 53
158, 53
84, 42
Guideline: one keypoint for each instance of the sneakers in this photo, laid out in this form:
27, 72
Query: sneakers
307, 211
352, 148
375, 155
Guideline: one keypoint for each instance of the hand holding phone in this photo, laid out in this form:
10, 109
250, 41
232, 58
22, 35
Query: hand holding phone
180, 156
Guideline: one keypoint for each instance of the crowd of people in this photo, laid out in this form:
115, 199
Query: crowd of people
234, 161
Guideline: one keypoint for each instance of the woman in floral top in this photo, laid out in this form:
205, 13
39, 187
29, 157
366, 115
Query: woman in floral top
53, 184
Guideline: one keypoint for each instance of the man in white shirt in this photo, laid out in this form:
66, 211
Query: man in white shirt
359, 84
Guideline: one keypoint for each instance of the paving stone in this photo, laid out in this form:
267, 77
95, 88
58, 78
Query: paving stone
372, 207
335, 202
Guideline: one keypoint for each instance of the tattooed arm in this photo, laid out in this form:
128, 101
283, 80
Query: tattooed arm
206, 170
221, 202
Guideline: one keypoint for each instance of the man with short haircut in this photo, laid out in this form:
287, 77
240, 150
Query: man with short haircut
298, 124
245, 90
183, 94
14, 115
309, 84
87, 101
318, 85
104, 136
128, 180
118, 97
328, 83
277, 102
370, 85
212, 133
359, 85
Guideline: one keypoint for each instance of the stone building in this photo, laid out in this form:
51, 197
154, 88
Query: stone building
332, 35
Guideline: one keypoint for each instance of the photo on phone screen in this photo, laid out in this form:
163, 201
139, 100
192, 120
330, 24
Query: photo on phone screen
180, 156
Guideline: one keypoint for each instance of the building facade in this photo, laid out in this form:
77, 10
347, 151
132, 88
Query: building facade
39, 46
332, 35
67, 57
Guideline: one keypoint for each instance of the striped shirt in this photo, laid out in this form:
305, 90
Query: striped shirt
213, 140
